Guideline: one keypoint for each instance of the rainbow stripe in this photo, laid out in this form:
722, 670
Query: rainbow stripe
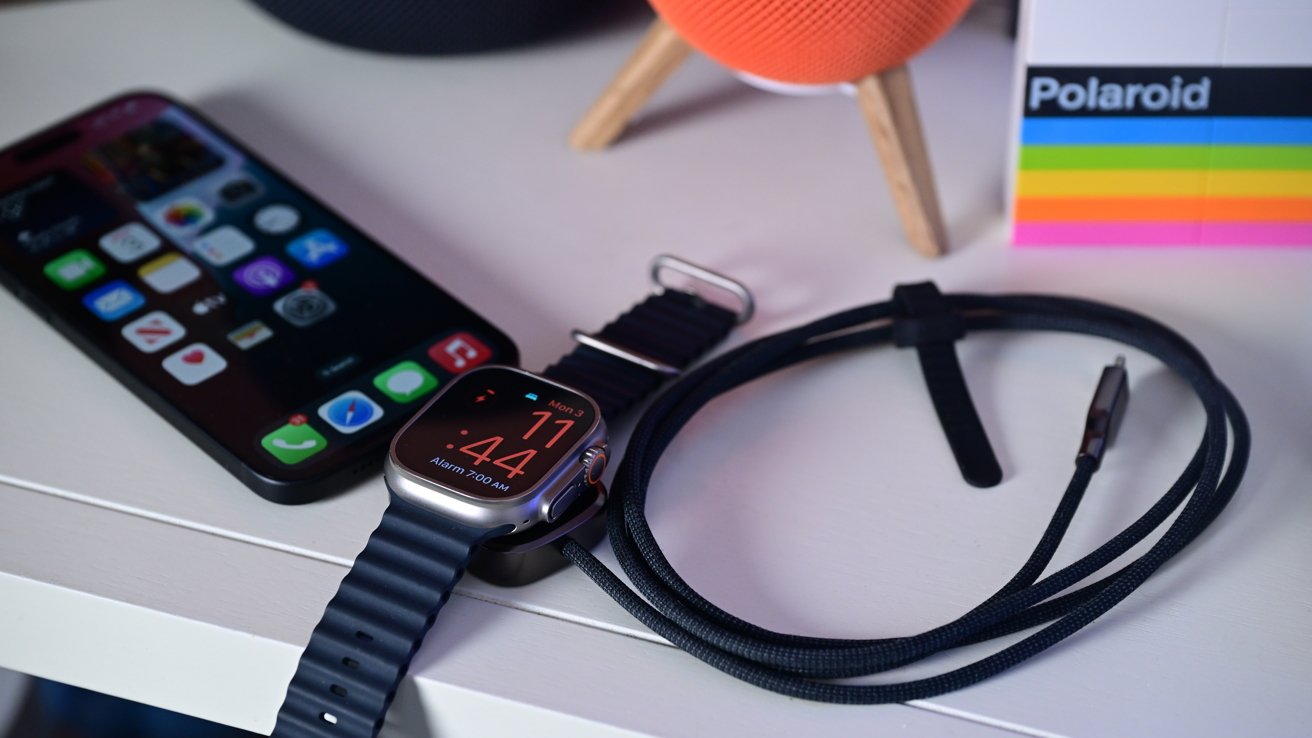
1234, 181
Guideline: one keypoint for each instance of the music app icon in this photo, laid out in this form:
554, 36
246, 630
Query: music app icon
459, 352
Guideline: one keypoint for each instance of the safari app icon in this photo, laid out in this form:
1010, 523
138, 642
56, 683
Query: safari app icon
350, 411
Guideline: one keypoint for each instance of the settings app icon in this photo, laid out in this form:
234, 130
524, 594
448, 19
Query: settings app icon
305, 306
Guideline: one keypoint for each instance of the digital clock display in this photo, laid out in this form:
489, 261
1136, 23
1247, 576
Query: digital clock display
495, 432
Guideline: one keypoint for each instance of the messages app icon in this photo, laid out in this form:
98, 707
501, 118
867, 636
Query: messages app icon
294, 442
405, 382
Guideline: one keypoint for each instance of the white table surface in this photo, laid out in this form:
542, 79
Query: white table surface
130, 563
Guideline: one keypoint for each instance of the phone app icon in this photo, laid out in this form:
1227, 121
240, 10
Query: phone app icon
277, 219
459, 352
74, 269
223, 245
129, 242
317, 249
405, 382
194, 364
294, 442
114, 300
305, 306
251, 334
186, 216
169, 273
263, 276
154, 331
350, 411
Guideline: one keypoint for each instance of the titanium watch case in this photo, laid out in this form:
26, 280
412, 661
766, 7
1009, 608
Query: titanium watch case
522, 556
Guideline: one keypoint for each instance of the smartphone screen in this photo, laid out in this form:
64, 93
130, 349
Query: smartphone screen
281, 339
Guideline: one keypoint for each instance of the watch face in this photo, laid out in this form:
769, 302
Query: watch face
495, 433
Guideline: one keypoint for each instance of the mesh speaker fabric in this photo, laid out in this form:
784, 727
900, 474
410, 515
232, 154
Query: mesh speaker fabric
427, 26
811, 41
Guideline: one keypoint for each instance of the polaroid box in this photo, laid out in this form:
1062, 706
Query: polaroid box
1163, 122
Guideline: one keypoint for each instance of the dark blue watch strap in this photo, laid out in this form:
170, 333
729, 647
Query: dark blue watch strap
361, 649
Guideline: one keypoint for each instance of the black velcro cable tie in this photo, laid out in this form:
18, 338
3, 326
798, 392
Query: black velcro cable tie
929, 324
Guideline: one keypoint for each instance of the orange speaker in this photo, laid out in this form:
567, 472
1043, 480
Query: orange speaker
863, 42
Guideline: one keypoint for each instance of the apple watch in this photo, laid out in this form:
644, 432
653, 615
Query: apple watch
502, 458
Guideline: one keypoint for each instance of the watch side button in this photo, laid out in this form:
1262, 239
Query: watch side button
562, 502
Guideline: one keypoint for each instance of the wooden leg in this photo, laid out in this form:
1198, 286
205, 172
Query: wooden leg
889, 106
661, 51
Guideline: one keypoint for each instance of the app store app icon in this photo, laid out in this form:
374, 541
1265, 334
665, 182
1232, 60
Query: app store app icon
317, 249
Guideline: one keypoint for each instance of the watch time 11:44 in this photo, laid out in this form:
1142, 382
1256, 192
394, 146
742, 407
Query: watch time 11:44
496, 433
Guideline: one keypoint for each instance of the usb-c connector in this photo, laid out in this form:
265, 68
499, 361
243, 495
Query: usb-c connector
1105, 412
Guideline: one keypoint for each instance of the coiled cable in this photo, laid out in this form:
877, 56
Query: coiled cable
806, 667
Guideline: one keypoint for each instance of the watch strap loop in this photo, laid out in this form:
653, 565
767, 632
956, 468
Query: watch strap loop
928, 323
632, 355
361, 649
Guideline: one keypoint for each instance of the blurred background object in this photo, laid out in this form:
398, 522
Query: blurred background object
864, 43
429, 26
38, 708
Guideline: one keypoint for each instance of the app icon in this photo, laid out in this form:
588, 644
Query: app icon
304, 306
237, 191
223, 245
294, 442
114, 300
209, 303
458, 352
405, 382
276, 219
317, 249
74, 269
186, 216
194, 364
254, 332
263, 276
169, 273
350, 411
129, 242
153, 331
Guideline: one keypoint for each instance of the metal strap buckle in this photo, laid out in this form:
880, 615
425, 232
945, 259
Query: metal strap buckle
629, 355
675, 264
747, 305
